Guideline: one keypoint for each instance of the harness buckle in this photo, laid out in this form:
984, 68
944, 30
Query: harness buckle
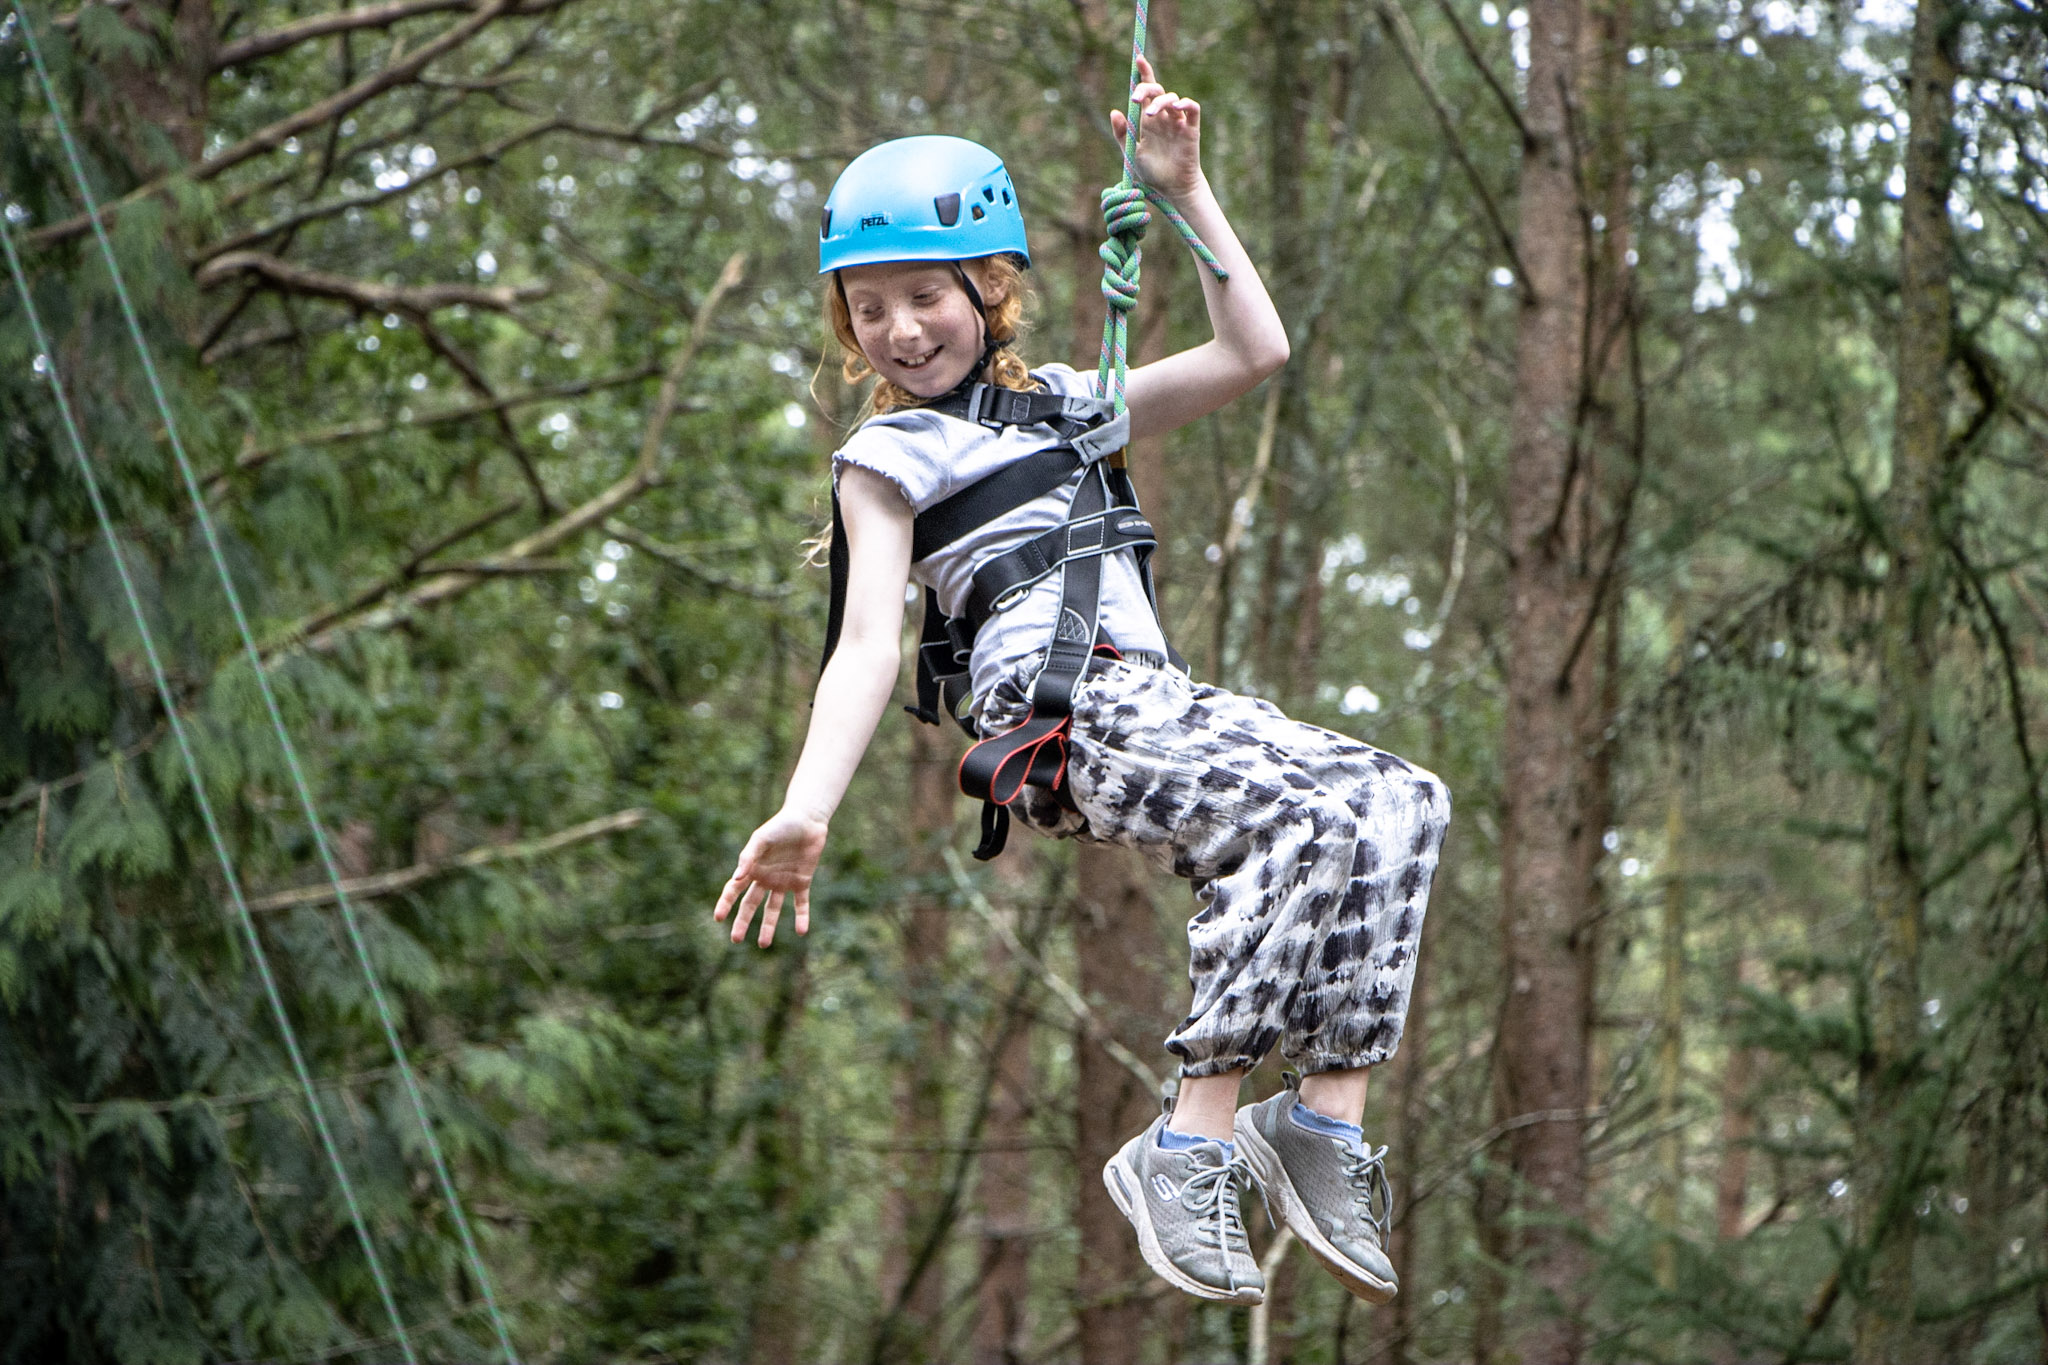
974, 402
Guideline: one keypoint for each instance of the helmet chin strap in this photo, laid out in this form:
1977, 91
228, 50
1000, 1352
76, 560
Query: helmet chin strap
989, 347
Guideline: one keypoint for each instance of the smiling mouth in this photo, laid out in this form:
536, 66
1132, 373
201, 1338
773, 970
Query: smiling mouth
919, 362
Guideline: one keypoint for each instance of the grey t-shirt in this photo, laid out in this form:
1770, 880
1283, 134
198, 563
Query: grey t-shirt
930, 457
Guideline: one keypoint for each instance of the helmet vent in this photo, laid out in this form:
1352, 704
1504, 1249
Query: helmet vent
978, 213
1006, 196
824, 224
948, 206
988, 192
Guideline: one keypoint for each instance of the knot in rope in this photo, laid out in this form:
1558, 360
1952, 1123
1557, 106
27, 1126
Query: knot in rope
1125, 216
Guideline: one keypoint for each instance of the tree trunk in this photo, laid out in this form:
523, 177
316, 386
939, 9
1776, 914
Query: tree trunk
775, 1335
1005, 1190
1117, 939
1555, 802
1122, 955
1892, 1128
156, 109
1671, 1032
1738, 1122
914, 1195
1412, 1071
1002, 1295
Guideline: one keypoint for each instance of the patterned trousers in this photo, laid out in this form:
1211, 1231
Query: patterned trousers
1310, 854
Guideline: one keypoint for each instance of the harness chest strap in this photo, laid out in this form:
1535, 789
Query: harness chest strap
1034, 753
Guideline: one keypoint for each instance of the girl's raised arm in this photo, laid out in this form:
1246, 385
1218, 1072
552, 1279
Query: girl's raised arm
1250, 341
781, 858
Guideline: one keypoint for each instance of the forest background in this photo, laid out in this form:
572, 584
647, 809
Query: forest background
1660, 462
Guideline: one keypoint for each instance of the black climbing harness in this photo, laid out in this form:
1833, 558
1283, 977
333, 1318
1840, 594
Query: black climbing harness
1102, 518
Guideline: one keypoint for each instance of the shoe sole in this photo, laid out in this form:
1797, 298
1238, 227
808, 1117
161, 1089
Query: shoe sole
1273, 1181
1140, 1218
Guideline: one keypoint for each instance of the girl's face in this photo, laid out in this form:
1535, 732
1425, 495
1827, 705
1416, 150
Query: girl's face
914, 323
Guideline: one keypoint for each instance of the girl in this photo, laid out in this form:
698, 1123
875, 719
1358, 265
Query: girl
1310, 854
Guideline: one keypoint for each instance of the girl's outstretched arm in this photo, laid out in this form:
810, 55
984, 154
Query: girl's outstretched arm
782, 856
1250, 341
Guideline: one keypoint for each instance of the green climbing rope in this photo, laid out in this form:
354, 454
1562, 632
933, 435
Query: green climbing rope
303, 789
1125, 216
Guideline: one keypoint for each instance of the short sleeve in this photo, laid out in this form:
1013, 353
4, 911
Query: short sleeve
1064, 380
904, 449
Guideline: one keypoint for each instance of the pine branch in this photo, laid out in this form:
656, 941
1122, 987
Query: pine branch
31, 792
645, 474
405, 878
369, 296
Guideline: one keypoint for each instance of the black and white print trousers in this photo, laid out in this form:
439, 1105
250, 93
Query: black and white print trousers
1310, 854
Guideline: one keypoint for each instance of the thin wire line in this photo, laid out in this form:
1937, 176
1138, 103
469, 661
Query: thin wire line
303, 788
220, 849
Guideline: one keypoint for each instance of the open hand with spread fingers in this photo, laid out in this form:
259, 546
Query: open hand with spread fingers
777, 865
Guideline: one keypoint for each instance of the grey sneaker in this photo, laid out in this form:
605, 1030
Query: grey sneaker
1333, 1195
1184, 1205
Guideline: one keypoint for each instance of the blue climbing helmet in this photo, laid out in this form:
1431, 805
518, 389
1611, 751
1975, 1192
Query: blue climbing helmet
928, 198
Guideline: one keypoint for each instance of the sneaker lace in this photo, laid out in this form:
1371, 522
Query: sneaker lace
1211, 1194
1372, 1197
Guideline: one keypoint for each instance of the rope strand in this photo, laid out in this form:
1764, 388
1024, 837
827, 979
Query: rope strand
1126, 213
303, 789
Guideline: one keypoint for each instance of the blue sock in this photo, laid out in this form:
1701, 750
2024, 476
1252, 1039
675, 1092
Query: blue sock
1305, 1117
1171, 1141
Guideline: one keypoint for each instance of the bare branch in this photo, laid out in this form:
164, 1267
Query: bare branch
679, 560
1084, 1013
406, 573
512, 568
405, 878
645, 474
1507, 101
1397, 26
255, 457
258, 338
313, 213
274, 136
473, 375
1241, 511
277, 40
398, 72
370, 296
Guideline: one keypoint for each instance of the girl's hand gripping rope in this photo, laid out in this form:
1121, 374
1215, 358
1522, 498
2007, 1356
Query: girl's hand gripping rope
1169, 136
777, 863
